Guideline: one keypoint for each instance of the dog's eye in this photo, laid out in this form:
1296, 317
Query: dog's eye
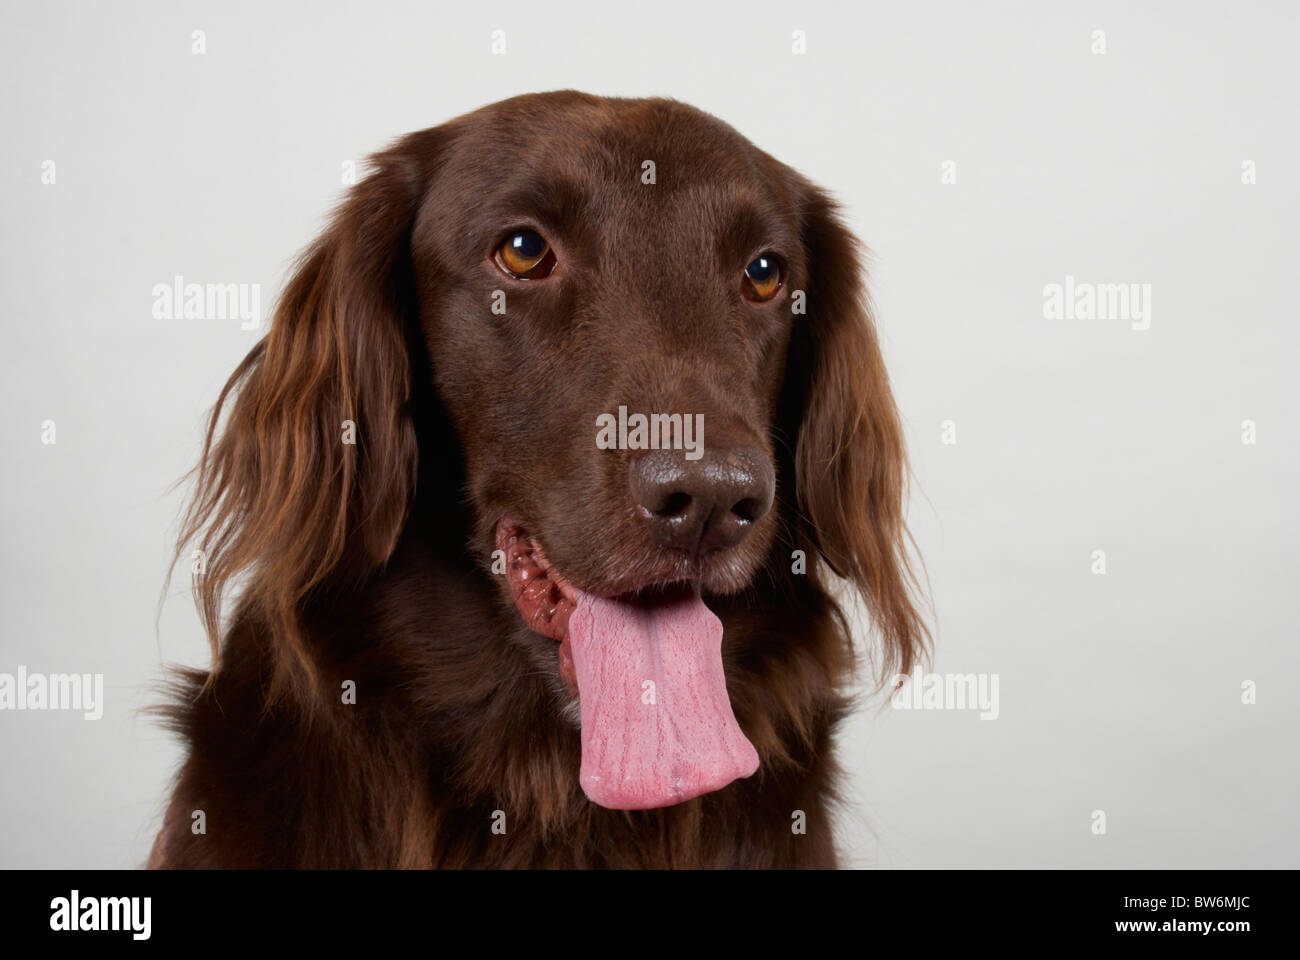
763, 277
526, 255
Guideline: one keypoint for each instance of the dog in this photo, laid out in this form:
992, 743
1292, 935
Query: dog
542, 504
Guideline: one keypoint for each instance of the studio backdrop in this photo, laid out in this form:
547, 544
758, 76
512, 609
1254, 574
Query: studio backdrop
1082, 229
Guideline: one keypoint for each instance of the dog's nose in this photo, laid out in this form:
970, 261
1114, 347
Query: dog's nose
703, 504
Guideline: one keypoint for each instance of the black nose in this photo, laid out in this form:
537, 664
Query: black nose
703, 504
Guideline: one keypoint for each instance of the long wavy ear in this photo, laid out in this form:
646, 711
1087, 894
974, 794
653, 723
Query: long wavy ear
850, 463
308, 483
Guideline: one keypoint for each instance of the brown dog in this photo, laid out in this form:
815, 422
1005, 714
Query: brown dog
536, 494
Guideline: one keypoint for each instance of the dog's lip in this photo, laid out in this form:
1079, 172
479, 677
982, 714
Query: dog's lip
543, 597
648, 592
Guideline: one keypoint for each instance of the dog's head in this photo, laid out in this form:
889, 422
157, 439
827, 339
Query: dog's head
651, 350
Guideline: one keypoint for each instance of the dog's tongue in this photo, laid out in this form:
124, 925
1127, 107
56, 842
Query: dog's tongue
657, 725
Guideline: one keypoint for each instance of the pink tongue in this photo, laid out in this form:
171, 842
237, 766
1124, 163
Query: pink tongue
657, 726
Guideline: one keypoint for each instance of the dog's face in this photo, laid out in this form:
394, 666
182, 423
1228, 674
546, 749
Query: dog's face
646, 346
573, 258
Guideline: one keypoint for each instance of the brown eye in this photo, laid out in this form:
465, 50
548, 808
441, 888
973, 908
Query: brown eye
526, 255
763, 277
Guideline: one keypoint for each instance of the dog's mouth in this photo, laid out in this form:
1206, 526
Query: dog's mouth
657, 723
542, 597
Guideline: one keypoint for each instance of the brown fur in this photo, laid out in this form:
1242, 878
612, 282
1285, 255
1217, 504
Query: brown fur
371, 562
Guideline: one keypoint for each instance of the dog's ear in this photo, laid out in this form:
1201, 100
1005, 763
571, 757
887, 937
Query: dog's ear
308, 482
849, 457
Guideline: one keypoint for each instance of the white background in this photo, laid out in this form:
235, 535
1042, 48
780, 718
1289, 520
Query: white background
1119, 692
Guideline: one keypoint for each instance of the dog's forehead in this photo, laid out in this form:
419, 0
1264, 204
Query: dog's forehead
634, 170
607, 145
